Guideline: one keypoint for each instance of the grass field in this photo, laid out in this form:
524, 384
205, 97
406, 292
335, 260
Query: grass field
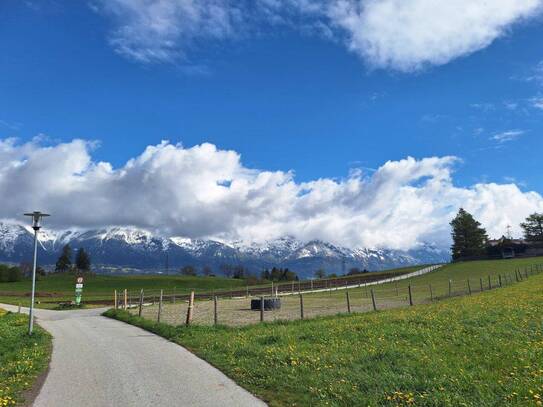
60, 287
22, 358
424, 289
479, 350
55, 288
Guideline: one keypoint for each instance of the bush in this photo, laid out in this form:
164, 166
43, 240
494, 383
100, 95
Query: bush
10, 274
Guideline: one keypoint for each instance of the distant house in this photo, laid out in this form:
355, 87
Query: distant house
510, 248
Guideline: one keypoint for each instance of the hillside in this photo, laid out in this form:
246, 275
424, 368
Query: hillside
130, 249
477, 350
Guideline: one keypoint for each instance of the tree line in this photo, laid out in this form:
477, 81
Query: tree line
64, 263
470, 238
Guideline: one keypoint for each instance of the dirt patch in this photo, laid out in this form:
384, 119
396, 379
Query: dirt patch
41, 294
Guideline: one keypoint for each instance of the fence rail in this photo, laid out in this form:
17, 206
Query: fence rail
285, 288
348, 298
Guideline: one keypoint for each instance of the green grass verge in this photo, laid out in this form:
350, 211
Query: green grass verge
22, 358
481, 350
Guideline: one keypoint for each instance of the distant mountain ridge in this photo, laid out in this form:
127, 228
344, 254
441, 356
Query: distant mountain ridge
118, 248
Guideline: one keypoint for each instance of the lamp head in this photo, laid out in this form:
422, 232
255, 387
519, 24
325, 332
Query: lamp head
36, 219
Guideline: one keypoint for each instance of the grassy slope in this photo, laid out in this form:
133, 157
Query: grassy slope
457, 272
62, 286
22, 358
483, 350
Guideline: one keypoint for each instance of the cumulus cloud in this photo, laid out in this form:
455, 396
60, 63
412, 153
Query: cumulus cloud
205, 192
397, 34
408, 35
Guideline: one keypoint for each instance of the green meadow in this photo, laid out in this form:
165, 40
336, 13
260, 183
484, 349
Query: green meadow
55, 288
480, 350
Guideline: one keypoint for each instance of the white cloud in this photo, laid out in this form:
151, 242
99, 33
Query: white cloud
537, 102
536, 74
207, 192
404, 35
408, 35
507, 136
161, 30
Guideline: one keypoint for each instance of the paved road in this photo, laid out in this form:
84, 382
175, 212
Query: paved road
101, 362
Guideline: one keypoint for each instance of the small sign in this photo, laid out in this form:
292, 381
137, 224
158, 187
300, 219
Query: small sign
78, 290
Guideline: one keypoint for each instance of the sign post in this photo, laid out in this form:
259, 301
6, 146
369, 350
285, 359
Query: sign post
78, 290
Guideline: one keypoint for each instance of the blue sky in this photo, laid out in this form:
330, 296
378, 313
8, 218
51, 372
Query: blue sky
283, 97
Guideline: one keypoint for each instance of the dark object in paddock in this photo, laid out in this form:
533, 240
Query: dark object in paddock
269, 304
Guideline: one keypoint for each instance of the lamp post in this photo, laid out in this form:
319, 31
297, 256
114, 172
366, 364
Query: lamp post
36, 218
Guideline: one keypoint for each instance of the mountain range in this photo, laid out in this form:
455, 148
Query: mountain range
118, 249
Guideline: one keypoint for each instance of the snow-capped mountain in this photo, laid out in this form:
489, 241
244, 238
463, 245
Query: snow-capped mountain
115, 248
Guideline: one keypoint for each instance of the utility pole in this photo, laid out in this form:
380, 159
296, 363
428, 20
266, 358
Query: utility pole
509, 235
36, 218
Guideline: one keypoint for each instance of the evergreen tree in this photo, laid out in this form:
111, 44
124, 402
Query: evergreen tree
82, 260
189, 271
469, 238
265, 275
533, 227
320, 274
64, 262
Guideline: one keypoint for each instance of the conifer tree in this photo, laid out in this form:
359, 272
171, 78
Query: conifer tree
82, 260
533, 227
469, 238
64, 262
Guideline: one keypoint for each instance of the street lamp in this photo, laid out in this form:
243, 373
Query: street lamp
36, 217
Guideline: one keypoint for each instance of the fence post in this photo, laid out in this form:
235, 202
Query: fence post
373, 300
173, 298
481, 283
450, 287
115, 299
272, 289
348, 301
489, 283
500, 279
190, 308
160, 305
247, 292
19, 309
261, 309
469, 287
431, 293
141, 303
301, 306
410, 295
311, 284
125, 299
215, 316
292, 288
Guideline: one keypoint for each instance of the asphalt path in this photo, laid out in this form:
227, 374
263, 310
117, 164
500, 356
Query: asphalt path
102, 362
